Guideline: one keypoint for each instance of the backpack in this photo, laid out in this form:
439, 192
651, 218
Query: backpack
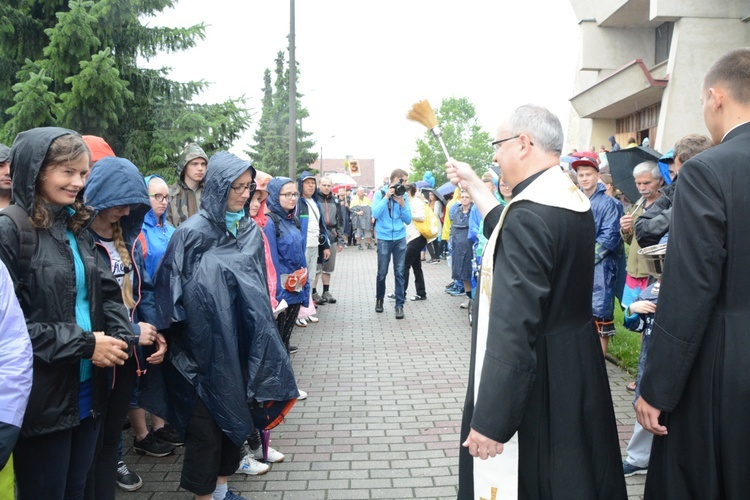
27, 239
276, 219
430, 226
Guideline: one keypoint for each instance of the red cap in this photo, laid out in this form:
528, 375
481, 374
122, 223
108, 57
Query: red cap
584, 162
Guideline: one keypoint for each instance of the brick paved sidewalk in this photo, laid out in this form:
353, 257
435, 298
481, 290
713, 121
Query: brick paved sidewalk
383, 414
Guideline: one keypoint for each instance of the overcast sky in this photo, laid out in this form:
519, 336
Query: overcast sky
363, 64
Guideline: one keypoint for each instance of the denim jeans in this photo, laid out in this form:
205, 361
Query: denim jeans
386, 248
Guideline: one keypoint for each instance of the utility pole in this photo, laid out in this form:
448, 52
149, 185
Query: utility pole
292, 97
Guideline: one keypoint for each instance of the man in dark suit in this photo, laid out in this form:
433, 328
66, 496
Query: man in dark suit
695, 391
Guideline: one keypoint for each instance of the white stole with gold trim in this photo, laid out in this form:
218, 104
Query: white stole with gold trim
497, 478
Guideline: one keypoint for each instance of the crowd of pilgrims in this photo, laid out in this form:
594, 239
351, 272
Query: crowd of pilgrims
112, 269
103, 271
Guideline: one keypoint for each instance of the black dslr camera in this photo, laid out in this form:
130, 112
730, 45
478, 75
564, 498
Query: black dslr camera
399, 189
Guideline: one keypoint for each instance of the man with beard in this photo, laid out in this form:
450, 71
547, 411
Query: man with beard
535, 365
5, 185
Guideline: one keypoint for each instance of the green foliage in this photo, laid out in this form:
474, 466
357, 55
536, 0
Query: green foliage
35, 105
463, 137
75, 64
626, 345
270, 150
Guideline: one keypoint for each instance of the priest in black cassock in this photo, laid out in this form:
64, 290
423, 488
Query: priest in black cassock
695, 390
536, 364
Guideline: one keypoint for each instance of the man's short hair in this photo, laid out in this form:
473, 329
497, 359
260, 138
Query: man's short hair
398, 173
691, 145
538, 122
326, 178
647, 167
733, 71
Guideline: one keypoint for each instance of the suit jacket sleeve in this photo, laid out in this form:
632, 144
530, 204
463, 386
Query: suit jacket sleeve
693, 265
520, 286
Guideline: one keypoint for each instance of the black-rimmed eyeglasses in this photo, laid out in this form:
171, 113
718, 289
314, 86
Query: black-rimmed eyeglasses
161, 198
496, 144
241, 189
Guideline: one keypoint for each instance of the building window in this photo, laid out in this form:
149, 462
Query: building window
663, 42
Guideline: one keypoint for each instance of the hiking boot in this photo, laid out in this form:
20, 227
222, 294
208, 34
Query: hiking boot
152, 446
274, 456
378, 305
170, 435
319, 301
127, 479
399, 313
328, 298
250, 466
631, 470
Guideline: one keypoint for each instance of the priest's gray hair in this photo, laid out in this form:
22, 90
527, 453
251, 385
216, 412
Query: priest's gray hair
540, 124
647, 167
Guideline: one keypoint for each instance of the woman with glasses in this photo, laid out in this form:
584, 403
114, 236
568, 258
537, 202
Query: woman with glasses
226, 357
287, 245
118, 196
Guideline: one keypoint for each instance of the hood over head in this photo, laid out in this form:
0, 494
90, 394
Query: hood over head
223, 169
98, 147
115, 182
4, 153
150, 214
26, 157
302, 178
191, 152
274, 190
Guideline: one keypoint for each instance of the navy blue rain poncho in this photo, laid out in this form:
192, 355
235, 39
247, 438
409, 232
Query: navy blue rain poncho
213, 304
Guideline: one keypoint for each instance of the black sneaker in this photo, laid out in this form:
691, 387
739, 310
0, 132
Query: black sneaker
170, 435
152, 446
127, 479
292, 349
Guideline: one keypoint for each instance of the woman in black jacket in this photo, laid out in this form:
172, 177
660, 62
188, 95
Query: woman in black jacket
73, 309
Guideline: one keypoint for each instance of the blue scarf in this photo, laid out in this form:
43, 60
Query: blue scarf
232, 220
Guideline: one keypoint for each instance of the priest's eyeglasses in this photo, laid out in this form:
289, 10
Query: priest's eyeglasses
496, 144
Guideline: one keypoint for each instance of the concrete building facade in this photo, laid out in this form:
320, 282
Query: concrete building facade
642, 64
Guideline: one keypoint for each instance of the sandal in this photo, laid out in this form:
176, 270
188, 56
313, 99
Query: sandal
631, 386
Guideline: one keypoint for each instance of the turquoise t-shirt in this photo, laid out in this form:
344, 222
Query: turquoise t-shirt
83, 320
232, 220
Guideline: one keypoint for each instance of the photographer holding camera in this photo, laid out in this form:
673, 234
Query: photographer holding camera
390, 209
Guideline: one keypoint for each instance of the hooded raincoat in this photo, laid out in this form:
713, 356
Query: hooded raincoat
288, 248
156, 235
224, 345
48, 303
185, 202
608, 254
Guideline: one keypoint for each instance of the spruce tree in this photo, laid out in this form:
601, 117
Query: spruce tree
270, 150
75, 64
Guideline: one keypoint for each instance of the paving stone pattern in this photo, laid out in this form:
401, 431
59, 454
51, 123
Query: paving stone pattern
383, 414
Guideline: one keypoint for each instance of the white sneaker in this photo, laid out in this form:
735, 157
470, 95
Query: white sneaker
274, 456
301, 322
302, 395
312, 319
249, 465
